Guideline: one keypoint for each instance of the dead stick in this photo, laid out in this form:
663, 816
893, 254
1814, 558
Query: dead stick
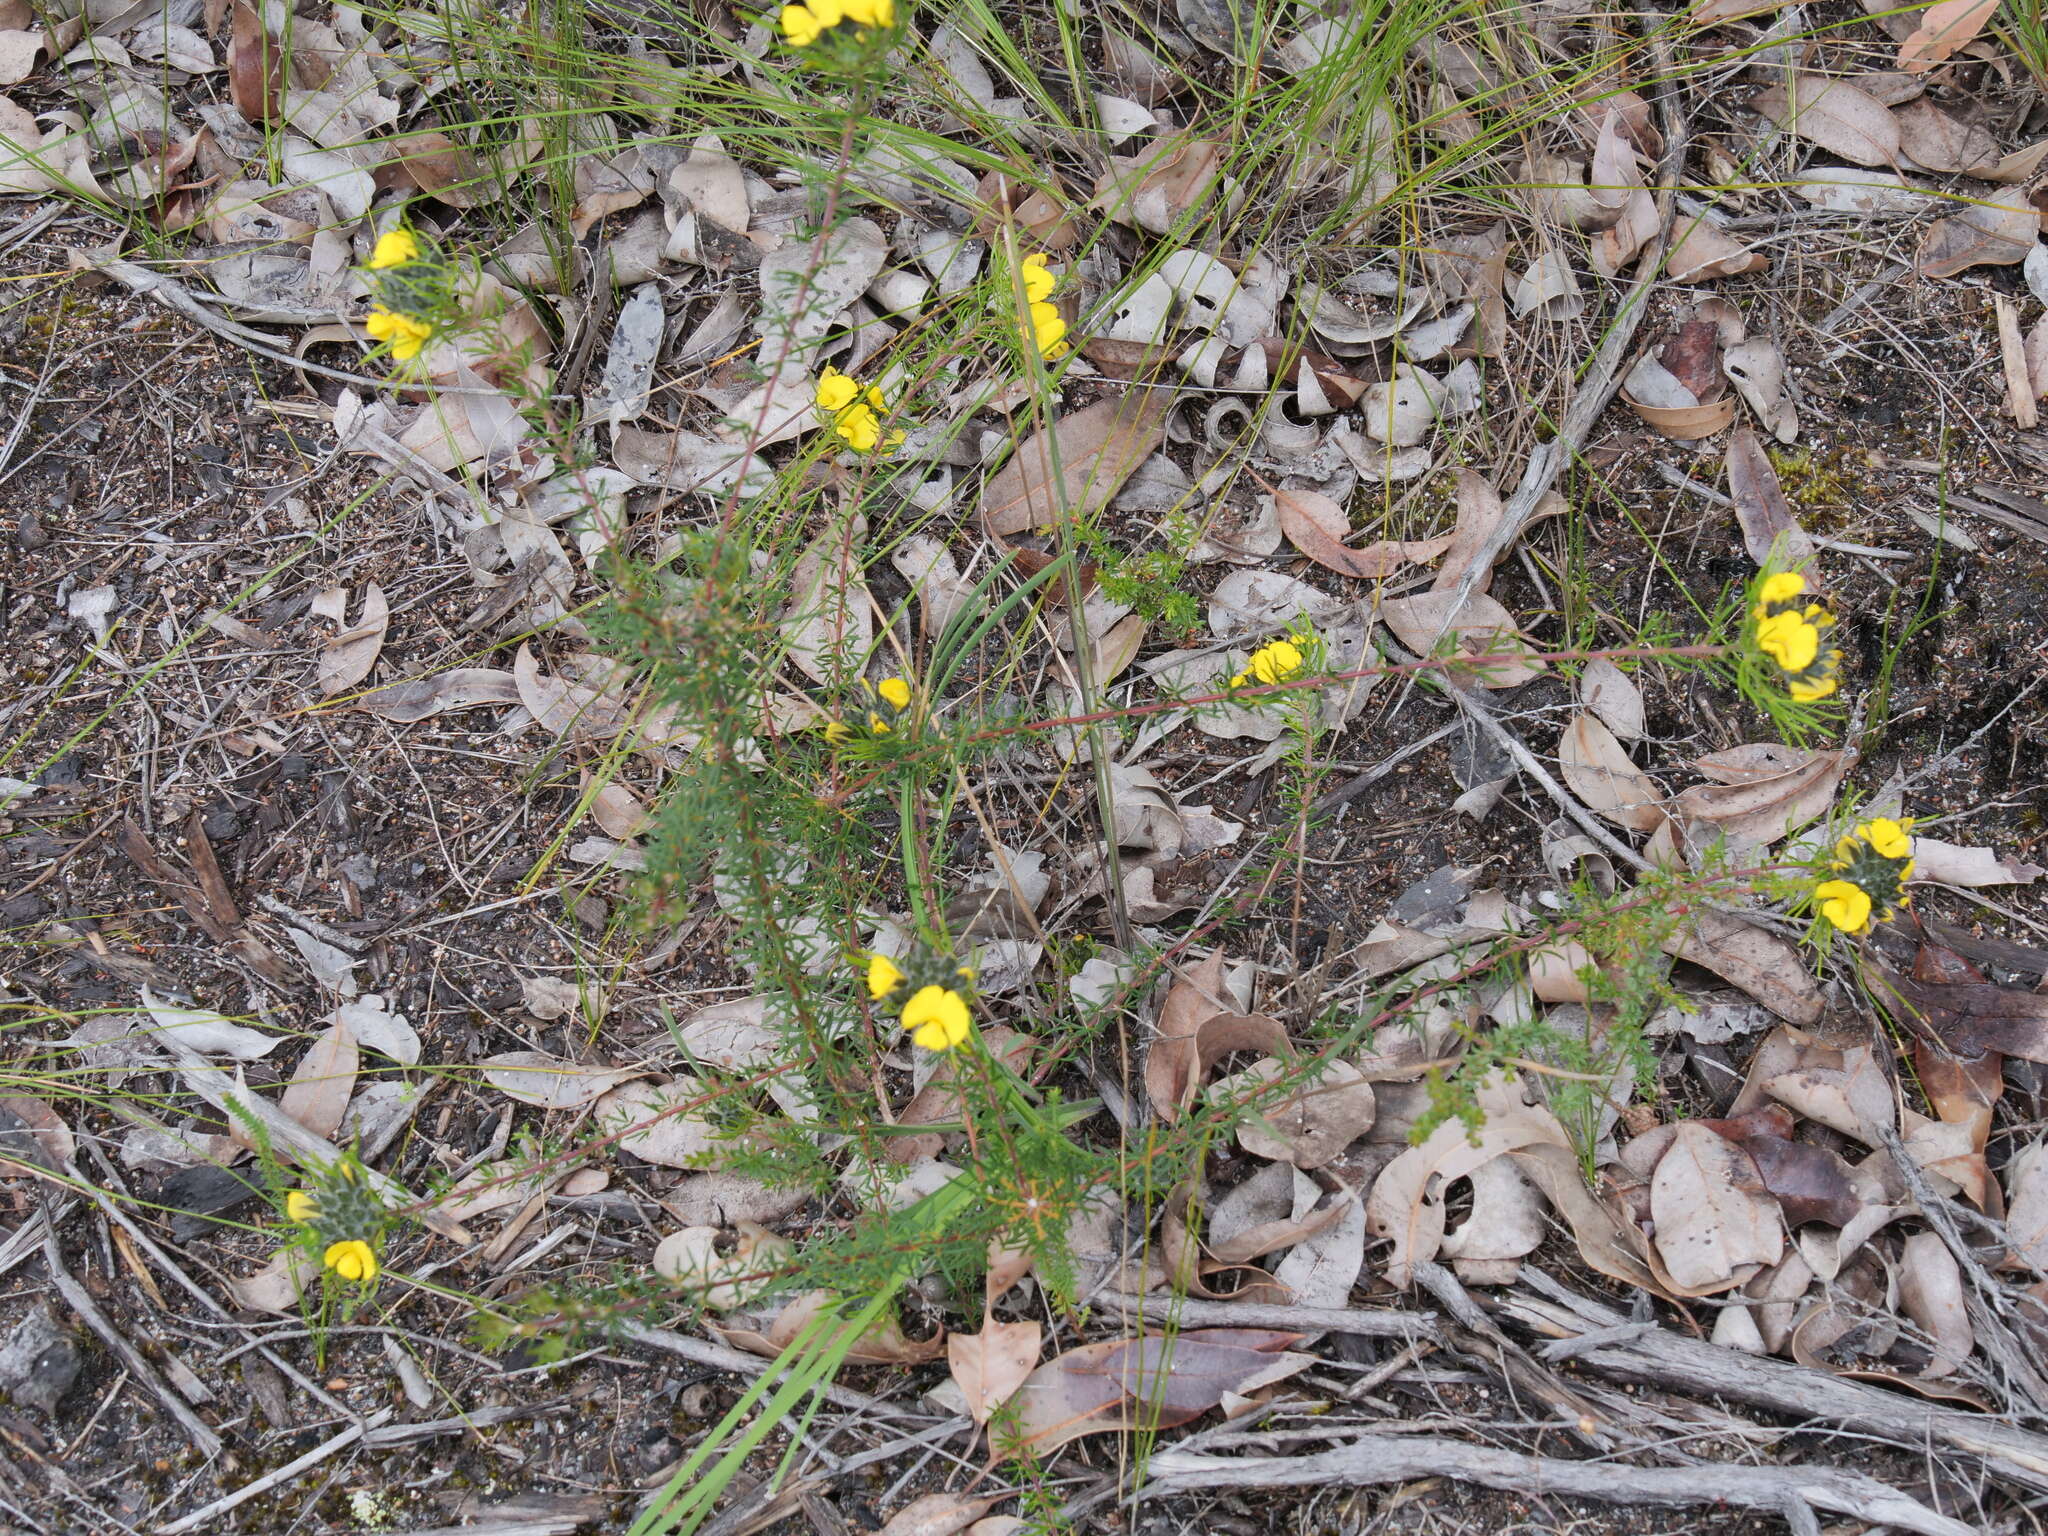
76, 1298
1782, 1490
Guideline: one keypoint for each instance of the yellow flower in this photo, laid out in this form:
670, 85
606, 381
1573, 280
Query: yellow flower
405, 334
937, 1018
301, 1206
1781, 588
1048, 331
871, 13
352, 1260
1843, 905
1274, 663
394, 248
877, 726
883, 976
800, 26
1038, 280
836, 391
838, 732
857, 424
895, 692
1809, 692
1789, 641
1888, 837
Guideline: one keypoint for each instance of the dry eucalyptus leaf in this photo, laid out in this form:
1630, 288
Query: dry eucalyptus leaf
201, 1029
1481, 628
945, 1514
1505, 1223
1769, 530
1312, 1123
1757, 369
2026, 1204
1597, 769
1982, 235
1944, 28
1613, 696
934, 576
1835, 115
1317, 526
805, 285
637, 335
278, 1285
463, 688
1157, 1381
1937, 142
830, 617
1766, 791
1099, 446
1950, 864
684, 461
533, 1077
1845, 1090
1840, 189
1765, 966
1931, 1293
349, 657
659, 1123
991, 1365
1716, 1224
1322, 1268
318, 1094
1407, 1203
619, 811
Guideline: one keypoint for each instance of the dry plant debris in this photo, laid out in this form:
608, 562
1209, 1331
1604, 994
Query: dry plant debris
928, 741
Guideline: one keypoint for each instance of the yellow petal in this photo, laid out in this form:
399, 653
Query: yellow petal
1038, 281
937, 1018
835, 390
1844, 905
883, 976
301, 1206
394, 248
800, 26
1781, 588
895, 691
353, 1259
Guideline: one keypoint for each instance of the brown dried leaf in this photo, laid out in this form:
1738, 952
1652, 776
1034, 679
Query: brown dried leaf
463, 688
54, 1144
1314, 1123
1716, 1224
1702, 251
1769, 530
1765, 966
1613, 696
1687, 423
660, 1123
1931, 1293
1099, 446
1950, 864
1479, 515
618, 811
1173, 1065
1766, 792
1809, 1183
1317, 526
1845, 1090
1973, 1018
1407, 1200
2026, 1204
1835, 115
1481, 628
318, 1094
883, 1344
1943, 29
943, 1514
1943, 143
1597, 768
349, 657
1155, 1382
1982, 235
256, 67
1603, 1241
991, 1365
830, 618
533, 1077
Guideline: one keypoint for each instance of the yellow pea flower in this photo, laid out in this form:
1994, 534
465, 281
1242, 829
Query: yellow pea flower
301, 1206
1887, 836
404, 334
937, 1018
836, 391
1844, 905
883, 977
871, 13
1038, 279
1274, 663
1048, 331
352, 1260
394, 248
1808, 692
857, 424
801, 25
1789, 641
895, 692
1781, 588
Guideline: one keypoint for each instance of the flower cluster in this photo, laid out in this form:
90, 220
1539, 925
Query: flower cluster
411, 285
344, 1218
1278, 661
1868, 875
1790, 631
802, 25
886, 702
1047, 331
854, 411
931, 1001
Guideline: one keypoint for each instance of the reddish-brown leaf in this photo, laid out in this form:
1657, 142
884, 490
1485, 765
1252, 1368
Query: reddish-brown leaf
1098, 447
1317, 527
256, 67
